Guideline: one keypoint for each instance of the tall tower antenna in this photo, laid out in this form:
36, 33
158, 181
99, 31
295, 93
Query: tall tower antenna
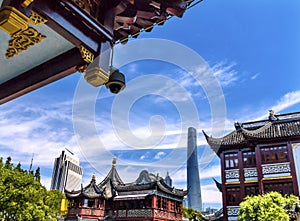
31, 162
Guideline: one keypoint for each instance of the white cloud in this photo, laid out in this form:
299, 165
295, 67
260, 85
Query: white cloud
255, 76
225, 73
159, 155
210, 194
286, 101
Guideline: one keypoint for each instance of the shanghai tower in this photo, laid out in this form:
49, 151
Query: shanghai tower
193, 181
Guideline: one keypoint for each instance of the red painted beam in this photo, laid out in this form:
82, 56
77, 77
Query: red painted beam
41, 75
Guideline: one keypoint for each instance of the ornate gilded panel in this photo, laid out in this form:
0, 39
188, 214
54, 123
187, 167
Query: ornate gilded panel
121, 213
26, 3
250, 174
16, 24
139, 213
22, 40
232, 212
87, 56
232, 175
36, 18
276, 170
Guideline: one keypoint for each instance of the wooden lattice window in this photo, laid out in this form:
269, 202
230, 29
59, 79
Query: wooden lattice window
159, 204
233, 196
231, 161
249, 159
252, 190
283, 188
277, 154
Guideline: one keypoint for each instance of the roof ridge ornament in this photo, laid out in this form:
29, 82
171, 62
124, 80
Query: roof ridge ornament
272, 116
114, 161
238, 126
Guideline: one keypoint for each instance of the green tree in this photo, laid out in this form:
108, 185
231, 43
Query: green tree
23, 198
18, 167
8, 164
37, 174
1, 162
268, 207
191, 214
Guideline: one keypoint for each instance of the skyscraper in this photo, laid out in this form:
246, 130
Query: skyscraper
67, 174
193, 181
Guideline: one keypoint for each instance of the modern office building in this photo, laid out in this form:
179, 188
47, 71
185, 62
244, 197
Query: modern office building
67, 174
193, 181
256, 158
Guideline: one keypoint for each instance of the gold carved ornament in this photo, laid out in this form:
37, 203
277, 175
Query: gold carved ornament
26, 3
37, 19
16, 23
87, 56
22, 40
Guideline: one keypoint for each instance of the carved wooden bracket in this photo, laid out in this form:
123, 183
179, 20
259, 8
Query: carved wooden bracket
16, 24
22, 40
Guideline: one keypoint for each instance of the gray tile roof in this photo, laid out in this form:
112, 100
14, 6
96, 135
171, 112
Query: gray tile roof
285, 127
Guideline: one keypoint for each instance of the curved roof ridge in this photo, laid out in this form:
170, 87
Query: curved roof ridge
233, 137
171, 190
112, 176
90, 191
256, 131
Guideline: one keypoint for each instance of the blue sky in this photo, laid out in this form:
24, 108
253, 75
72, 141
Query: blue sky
224, 61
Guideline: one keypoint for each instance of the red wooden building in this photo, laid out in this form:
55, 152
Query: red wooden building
257, 157
147, 198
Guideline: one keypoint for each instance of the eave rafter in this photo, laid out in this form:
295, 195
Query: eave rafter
284, 128
86, 24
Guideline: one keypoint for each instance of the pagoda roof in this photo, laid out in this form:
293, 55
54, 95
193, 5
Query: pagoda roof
112, 177
90, 191
281, 127
113, 186
147, 182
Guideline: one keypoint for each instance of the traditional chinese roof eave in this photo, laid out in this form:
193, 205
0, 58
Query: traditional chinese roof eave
90, 191
279, 130
218, 185
135, 187
284, 128
218, 144
112, 176
171, 190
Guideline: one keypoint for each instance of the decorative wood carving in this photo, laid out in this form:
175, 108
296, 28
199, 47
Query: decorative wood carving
26, 3
37, 19
87, 56
22, 40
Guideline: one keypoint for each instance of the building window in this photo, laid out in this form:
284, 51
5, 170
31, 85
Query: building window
178, 207
85, 202
172, 206
283, 188
252, 190
159, 202
164, 203
277, 154
91, 203
233, 196
249, 159
231, 161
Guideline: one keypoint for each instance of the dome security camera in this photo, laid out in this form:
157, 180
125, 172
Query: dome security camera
116, 82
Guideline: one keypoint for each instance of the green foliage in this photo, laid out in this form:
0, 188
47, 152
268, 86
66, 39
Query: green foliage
268, 207
24, 198
190, 213
37, 174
